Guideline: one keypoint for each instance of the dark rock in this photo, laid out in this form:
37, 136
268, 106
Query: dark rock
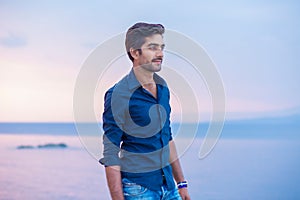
52, 145
25, 147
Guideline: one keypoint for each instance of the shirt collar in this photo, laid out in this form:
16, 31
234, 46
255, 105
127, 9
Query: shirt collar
133, 83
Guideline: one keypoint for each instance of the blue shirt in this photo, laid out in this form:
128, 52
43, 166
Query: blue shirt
137, 132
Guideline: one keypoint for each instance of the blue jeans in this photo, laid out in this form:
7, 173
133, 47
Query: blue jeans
133, 191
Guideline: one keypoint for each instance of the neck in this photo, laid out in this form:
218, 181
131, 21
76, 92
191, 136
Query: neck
146, 80
143, 76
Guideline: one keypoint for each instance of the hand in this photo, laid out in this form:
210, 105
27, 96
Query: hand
184, 194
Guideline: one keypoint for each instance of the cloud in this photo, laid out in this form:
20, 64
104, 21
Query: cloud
13, 41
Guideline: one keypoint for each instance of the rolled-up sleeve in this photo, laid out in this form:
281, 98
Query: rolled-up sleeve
169, 113
112, 132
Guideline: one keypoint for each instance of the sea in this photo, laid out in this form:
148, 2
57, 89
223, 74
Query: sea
252, 159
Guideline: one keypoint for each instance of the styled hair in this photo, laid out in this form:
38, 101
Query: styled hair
136, 34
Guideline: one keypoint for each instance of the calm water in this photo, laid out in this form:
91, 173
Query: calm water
256, 166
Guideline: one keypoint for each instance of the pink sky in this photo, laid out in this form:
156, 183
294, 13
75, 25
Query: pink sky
43, 46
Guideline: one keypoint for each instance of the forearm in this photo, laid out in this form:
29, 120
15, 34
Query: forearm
177, 171
175, 163
113, 177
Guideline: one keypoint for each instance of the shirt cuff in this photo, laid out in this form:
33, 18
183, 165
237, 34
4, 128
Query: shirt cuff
110, 161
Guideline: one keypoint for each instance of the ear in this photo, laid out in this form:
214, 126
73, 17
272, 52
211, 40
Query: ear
134, 53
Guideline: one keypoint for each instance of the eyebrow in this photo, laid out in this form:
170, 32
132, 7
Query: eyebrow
155, 44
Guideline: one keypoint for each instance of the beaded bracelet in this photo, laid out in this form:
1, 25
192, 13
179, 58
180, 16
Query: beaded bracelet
182, 184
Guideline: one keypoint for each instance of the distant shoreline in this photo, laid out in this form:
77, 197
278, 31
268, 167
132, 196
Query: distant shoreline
44, 146
286, 128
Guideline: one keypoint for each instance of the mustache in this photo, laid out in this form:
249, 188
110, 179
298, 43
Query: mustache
157, 59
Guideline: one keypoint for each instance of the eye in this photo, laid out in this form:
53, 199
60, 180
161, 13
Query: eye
153, 47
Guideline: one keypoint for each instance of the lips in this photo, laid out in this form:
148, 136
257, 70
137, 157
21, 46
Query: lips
157, 60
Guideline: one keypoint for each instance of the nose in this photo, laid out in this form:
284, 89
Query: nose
159, 53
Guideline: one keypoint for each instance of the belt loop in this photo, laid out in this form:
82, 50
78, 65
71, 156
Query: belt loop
164, 179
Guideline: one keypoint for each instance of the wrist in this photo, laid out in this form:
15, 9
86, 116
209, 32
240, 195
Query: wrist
182, 184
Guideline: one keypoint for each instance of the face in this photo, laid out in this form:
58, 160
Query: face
152, 54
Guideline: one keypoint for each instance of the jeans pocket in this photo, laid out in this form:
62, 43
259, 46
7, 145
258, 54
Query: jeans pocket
132, 189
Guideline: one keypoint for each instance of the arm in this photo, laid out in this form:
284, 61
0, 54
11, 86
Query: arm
113, 177
111, 143
177, 171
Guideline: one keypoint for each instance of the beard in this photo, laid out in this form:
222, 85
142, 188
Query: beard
153, 66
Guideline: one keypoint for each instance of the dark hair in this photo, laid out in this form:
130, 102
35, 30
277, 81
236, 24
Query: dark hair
135, 36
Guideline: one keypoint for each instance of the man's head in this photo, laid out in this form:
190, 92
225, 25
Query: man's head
144, 44
136, 35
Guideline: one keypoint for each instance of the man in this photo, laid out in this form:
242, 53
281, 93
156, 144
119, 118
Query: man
139, 153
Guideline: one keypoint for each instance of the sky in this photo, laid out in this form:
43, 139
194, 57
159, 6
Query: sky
255, 46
